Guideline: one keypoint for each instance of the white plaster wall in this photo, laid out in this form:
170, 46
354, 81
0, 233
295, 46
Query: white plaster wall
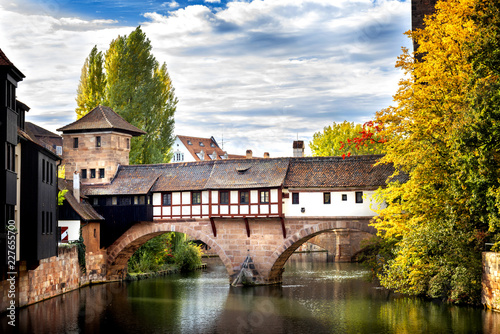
312, 202
73, 228
178, 146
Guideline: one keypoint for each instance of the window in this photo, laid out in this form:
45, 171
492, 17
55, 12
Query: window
51, 224
359, 197
344, 197
11, 96
224, 197
128, 143
201, 144
47, 177
326, 198
95, 201
11, 157
196, 197
212, 144
92, 173
43, 222
114, 200
84, 173
98, 141
264, 196
167, 199
75, 142
244, 197
95, 233
43, 170
189, 142
101, 173
295, 198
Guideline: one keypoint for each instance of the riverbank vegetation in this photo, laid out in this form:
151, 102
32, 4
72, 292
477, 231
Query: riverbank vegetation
164, 252
442, 134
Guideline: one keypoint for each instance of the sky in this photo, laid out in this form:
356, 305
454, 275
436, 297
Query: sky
253, 74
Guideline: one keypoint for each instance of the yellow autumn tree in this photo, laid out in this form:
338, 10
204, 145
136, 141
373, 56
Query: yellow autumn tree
438, 219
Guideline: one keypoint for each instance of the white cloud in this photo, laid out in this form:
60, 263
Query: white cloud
261, 72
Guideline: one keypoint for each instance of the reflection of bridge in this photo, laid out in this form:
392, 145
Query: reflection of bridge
261, 238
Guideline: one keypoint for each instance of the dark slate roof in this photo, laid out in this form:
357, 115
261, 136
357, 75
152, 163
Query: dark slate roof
248, 173
317, 172
44, 137
335, 172
129, 180
184, 176
83, 209
101, 118
24, 136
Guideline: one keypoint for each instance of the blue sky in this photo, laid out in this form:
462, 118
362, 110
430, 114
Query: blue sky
260, 74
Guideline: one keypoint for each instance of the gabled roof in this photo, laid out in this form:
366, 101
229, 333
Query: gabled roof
101, 118
83, 209
335, 172
44, 137
4, 61
196, 144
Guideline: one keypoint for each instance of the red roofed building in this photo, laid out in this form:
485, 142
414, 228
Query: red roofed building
190, 149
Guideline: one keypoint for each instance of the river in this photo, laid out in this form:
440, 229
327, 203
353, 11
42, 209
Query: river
316, 297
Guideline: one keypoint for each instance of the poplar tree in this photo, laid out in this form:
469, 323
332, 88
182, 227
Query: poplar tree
90, 92
139, 89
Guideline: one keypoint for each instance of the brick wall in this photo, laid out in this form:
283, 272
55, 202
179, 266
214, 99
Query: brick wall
490, 294
53, 276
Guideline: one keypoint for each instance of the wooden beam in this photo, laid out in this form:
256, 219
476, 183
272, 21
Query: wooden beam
248, 227
214, 230
283, 227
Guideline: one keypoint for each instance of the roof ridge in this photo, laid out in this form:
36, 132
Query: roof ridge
104, 115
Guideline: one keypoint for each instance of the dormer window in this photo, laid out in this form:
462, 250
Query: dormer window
212, 144
189, 142
201, 144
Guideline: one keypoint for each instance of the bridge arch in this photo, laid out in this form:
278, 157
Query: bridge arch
290, 244
125, 246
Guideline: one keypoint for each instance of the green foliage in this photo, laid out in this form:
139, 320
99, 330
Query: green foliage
60, 196
138, 88
153, 255
188, 256
443, 133
334, 139
164, 250
90, 92
81, 248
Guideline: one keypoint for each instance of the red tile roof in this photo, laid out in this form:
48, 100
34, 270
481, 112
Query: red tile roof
101, 118
4, 61
335, 172
196, 144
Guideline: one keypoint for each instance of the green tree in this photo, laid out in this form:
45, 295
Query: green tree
335, 140
442, 133
139, 89
90, 92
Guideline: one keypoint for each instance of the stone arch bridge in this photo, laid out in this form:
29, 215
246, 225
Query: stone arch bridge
268, 241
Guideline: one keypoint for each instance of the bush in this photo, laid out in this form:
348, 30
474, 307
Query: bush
188, 256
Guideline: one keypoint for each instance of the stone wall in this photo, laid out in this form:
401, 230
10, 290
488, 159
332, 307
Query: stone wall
53, 276
490, 294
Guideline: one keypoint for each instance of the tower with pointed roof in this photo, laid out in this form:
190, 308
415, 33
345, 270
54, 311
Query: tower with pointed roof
96, 144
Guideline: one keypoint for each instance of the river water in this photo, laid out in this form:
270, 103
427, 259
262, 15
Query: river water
316, 297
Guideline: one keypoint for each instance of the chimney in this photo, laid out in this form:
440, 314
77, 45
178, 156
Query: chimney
76, 186
266, 155
249, 154
298, 148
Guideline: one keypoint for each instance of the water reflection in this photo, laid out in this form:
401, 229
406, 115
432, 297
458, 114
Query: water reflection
315, 297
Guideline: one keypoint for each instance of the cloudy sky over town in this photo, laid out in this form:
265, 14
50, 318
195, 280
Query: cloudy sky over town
256, 74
